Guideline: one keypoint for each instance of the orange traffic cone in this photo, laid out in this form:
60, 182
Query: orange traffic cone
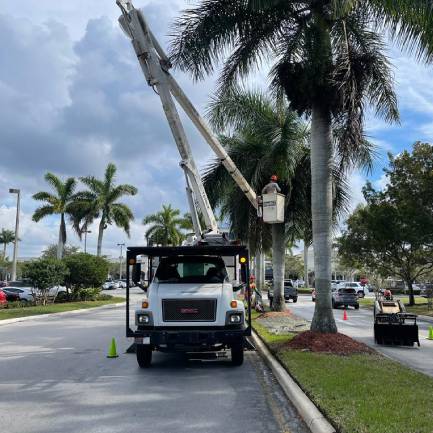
345, 315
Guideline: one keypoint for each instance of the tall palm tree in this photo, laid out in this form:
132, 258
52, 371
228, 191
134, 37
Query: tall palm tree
165, 226
101, 201
6, 238
329, 59
274, 138
62, 202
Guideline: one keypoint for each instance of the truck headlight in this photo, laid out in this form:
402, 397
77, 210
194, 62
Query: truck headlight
143, 319
235, 318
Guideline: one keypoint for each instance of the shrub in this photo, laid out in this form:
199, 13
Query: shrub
85, 271
91, 294
45, 274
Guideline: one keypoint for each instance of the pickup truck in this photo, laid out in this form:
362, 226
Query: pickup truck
191, 302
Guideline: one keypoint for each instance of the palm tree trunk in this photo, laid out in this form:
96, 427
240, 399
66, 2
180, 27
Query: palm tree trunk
278, 252
62, 237
306, 282
4, 250
100, 235
321, 209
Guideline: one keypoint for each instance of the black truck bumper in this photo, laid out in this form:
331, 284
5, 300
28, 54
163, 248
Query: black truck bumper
166, 339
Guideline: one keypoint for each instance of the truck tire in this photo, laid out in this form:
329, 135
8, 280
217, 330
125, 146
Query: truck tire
295, 299
144, 355
237, 352
357, 307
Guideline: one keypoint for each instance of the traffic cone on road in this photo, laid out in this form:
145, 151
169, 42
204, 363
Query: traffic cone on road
345, 315
112, 350
430, 333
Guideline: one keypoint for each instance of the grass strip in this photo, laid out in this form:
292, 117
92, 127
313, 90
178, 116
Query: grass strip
359, 393
12, 313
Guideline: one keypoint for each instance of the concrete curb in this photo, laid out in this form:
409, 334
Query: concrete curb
62, 313
312, 417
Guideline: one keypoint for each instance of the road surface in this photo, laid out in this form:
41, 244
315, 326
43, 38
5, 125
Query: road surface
55, 377
360, 327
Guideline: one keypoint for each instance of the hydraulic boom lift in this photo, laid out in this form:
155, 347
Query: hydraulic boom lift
156, 68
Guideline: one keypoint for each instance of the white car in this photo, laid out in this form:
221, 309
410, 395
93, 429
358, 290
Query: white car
25, 293
360, 289
122, 283
335, 284
111, 285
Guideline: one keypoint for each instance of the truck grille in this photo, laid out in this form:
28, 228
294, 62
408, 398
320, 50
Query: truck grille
189, 310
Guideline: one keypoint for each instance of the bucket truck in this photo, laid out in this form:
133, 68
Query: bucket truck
191, 303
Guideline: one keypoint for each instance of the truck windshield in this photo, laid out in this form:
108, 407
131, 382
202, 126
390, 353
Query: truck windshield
181, 270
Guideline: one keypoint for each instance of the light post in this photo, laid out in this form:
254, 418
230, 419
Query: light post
120, 260
17, 226
85, 239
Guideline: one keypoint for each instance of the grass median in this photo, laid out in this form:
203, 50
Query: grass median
12, 313
364, 393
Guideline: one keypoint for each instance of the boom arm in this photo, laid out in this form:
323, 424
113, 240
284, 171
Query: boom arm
155, 66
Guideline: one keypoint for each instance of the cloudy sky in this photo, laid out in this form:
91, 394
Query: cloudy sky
72, 99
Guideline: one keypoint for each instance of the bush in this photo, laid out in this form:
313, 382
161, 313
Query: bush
91, 294
85, 271
45, 274
104, 297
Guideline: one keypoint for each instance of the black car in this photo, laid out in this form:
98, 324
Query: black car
346, 296
290, 292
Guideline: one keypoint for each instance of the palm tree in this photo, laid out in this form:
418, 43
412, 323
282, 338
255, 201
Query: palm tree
6, 237
329, 59
62, 202
165, 226
101, 201
274, 138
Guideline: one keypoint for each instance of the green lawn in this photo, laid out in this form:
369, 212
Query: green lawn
420, 307
11, 313
359, 393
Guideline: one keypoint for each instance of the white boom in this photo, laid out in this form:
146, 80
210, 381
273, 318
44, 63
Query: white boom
155, 66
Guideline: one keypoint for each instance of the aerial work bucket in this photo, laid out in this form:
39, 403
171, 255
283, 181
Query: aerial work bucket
273, 208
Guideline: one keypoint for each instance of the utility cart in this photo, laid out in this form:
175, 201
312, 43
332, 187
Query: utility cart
393, 325
193, 301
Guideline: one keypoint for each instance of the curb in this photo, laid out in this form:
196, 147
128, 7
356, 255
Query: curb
312, 417
62, 313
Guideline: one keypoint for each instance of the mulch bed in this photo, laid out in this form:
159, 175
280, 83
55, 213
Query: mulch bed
329, 343
272, 314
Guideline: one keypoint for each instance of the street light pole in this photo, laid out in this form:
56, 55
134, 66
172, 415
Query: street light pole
120, 260
17, 226
85, 239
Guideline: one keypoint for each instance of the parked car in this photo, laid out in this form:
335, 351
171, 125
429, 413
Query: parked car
346, 296
427, 290
3, 299
122, 283
110, 285
27, 287
3, 284
290, 292
361, 290
21, 294
336, 283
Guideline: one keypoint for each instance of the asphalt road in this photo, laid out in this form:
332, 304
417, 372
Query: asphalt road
360, 327
55, 377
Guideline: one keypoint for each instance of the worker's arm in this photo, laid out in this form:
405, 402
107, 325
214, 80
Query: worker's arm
278, 187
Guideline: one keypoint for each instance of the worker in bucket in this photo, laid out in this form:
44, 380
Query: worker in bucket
272, 187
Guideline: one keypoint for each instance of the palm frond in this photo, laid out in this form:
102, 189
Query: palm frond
42, 212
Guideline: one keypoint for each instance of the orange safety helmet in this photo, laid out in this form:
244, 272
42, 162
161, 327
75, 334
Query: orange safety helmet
274, 178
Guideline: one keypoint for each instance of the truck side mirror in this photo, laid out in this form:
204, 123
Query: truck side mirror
237, 285
136, 274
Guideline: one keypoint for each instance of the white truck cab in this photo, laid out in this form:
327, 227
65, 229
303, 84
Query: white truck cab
191, 302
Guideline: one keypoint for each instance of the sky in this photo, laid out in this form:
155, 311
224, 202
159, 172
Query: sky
73, 99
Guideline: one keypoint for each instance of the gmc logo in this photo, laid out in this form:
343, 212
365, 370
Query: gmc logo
189, 310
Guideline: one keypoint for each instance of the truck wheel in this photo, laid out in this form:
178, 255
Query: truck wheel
237, 352
295, 299
357, 307
144, 355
